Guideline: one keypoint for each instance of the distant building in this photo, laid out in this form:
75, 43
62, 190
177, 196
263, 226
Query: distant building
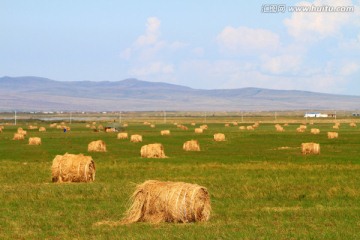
315, 115
356, 114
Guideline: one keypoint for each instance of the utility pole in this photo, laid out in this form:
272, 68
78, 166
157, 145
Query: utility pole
120, 117
15, 117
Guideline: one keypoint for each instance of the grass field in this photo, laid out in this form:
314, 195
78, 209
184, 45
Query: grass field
258, 190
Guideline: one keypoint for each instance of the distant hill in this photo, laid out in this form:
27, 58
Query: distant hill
42, 94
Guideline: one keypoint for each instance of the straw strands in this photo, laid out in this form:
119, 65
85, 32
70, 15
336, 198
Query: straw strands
219, 137
34, 141
97, 146
155, 201
135, 138
310, 148
192, 145
155, 150
73, 168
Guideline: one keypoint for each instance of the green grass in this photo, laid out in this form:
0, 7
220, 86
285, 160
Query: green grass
257, 191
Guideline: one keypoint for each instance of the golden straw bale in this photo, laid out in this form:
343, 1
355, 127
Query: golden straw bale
21, 131
352, 124
311, 122
315, 131
204, 127
108, 130
250, 128
193, 124
147, 123
59, 127
152, 125
125, 125
199, 130
219, 137
135, 138
303, 126
155, 201
235, 123
335, 127
18, 136
122, 135
332, 135
242, 127
227, 125
286, 124
73, 168
93, 123
97, 146
34, 141
1, 130
299, 129
93, 127
31, 127
279, 128
192, 145
165, 132
100, 127
42, 129
53, 125
155, 150
1, 127
87, 126
310, 148
256, 125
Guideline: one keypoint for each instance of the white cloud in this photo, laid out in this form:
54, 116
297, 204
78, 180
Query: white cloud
311, 26
282, 64
152, 33
247, 40
349, 68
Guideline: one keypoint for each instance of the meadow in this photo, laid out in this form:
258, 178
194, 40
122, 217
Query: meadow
260, 184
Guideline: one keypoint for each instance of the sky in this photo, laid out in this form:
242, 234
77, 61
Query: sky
204, 44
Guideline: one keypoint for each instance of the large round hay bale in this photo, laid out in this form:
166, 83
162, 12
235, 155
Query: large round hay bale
87, 126
352, 124
332, 135
242, 127
279, 128
125, 125
152, 125
192, 145
31, 127
198, 130
193, 124
53, 125
310, 148
123, 135
34, 141
21, 131
234, 123
251, 128
155, 150
165, 132
335, 127
219, 137
42, 129
18, 136
204, 127
300, 130
135, 138
73, 168
227, 125
97, 146
315, 131
155, 201
100, 127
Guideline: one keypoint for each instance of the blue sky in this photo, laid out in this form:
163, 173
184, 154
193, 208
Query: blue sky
201, 44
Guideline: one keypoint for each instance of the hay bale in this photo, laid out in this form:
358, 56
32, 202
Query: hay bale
192, 145
251, 128
165, 132
123, 135
279, 128
135, 138
97, 146
286, 124
18, 136
199, 130
147, 123
59, 127
227, 125
21, 131
315, 131
352, 124
100, 127
193, 124
110, 130
332, 135
88, 126
31, 127
219, 137
303, 126
204, 127
152, 125
42, 129
155, 201
125, 125
155, 150
73, 168
300, 130
242, 127
335, 127
34, 141
53, 125
235, 123
310, 148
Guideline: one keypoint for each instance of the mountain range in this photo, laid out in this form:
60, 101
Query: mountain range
42, 94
